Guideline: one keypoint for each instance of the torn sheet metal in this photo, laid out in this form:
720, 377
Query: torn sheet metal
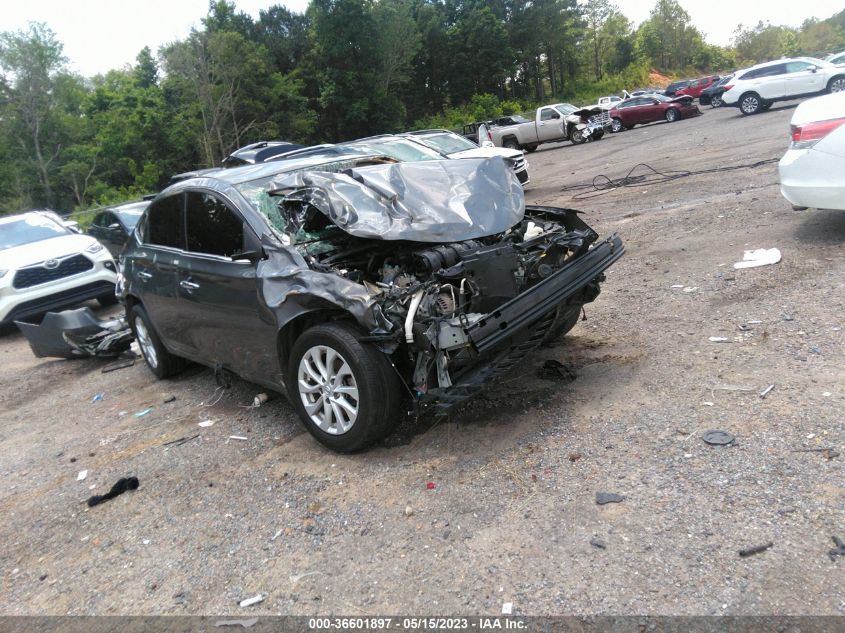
428, 201
77, 333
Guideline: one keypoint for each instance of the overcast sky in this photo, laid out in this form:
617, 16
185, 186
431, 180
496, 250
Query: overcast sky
99, 35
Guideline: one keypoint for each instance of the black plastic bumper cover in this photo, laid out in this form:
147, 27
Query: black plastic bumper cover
496, 327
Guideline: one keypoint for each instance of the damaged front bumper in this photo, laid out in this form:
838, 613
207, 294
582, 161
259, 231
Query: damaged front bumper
77, 333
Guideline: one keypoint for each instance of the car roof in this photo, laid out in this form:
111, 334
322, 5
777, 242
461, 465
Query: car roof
783, 60
128, 206
247, 173
259, 152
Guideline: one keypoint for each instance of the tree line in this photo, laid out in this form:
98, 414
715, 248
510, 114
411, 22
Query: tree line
343, 69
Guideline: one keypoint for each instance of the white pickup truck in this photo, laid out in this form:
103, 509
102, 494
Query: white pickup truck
552, 124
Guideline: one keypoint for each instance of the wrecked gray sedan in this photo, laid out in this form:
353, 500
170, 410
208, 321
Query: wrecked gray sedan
356, 284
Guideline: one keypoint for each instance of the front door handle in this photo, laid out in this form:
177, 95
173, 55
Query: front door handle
189, 285
144, 275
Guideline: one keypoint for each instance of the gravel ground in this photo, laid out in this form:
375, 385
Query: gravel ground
513, 515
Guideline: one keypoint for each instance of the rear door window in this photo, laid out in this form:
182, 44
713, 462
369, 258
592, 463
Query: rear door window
797, 67
212, 227
164, 223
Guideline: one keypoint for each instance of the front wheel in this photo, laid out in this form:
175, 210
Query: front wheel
616, 125
837, 84
715, 102
511, 143
597, 135
577, 136
672, 115
529, 148
750, 103
161, 362
346, 392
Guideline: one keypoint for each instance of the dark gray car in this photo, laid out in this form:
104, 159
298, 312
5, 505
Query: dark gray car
112, 227
357, 284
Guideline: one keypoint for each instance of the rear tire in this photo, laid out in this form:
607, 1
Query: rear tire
750, 103
161, 362
346, 392
715, 102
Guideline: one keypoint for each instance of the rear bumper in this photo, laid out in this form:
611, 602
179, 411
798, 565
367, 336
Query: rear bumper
511, 318
810, 178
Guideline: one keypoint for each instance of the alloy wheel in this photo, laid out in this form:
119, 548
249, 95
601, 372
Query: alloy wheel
750, 104
328, 390
145, 342
837, 85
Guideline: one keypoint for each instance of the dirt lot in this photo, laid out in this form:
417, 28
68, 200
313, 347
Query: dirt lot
513, 511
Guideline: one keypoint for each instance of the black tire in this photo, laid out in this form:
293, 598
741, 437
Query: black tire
672, 115
716, 101
107, 299
511, 143
162, 363
766, 105
566, 319
577, 137
378, 389
836, 84
616, 125
529, 148
750, 103
597, 135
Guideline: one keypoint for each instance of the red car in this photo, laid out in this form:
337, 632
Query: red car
648, 109
696, 86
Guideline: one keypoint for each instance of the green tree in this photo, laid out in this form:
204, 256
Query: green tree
668, 39
31, 62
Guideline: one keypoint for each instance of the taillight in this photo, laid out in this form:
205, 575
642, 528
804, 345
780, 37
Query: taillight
807, 135
728, 87
489, 135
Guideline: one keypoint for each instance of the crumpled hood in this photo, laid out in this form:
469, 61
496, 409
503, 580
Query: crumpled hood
35, 252
427, 201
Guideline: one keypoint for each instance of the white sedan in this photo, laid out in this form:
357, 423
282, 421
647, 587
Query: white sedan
812, 172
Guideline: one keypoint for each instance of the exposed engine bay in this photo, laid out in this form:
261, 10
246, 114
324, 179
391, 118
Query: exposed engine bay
434, 294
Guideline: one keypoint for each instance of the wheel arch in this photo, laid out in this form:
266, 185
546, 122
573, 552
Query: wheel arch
293, 329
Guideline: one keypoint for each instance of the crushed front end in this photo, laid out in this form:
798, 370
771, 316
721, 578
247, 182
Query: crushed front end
452, 314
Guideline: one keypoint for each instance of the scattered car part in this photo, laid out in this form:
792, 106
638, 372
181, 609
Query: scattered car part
77, 333
718, 438
756, 549
603, 498
122, 485
839, 550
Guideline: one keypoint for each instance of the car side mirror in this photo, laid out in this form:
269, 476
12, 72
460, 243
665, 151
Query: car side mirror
488, 144
114, 226
814, 69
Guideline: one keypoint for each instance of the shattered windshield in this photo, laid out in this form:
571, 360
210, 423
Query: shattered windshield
257, 193
29, 229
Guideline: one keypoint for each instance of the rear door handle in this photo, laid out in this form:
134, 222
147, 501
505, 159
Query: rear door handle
189, 285
144, 275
